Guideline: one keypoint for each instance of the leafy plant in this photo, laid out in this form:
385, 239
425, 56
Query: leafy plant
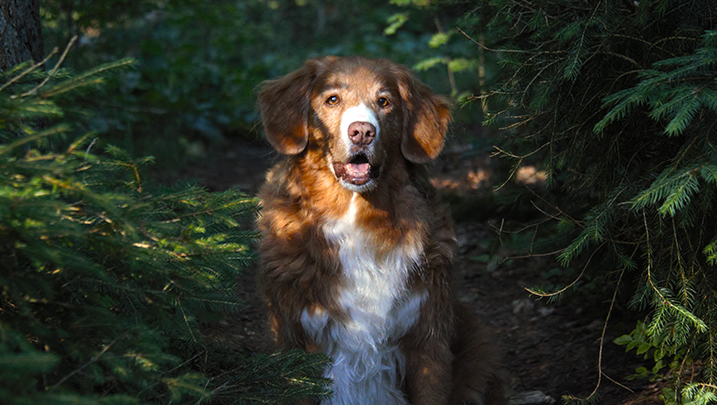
653, 348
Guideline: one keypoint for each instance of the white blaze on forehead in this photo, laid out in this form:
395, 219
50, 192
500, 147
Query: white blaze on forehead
359, 113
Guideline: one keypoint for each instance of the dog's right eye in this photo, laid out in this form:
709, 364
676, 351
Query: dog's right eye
333, 100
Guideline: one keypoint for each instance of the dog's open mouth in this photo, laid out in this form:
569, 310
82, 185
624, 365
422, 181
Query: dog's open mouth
358, 171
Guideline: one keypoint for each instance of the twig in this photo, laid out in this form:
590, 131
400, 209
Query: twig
548, 295
531, 255
28, 70
573, 220
87, 151
54, 70
517, 165
534, 225
602, 341
92, 360
489, 49
618, 383
186, 362
506, 50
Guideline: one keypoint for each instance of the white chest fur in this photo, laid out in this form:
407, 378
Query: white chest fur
367, 366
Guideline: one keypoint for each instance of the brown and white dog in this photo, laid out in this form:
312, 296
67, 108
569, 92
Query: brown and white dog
356, 250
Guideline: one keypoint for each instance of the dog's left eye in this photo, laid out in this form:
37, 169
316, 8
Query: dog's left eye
332, 100
383, 102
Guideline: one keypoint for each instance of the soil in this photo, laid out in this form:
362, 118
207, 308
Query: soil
550, 349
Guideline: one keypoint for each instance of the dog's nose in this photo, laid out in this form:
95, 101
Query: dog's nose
361, 133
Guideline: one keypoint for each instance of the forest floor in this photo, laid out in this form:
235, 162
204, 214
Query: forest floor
550, 349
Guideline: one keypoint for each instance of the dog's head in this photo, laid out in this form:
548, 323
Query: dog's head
358, 113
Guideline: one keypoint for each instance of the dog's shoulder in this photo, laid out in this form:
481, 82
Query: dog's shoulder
280, 183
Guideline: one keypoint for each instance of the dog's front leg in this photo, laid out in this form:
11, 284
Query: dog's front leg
428, 373
426, 348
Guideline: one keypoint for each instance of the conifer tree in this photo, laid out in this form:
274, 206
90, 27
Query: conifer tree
105, 282
619, 101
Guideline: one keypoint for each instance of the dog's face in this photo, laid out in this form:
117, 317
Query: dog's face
357, 113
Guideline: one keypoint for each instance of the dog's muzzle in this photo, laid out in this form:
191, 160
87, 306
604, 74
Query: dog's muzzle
359, 130
357, 171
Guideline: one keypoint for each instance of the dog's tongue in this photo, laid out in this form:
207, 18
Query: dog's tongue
357, 173
358, 169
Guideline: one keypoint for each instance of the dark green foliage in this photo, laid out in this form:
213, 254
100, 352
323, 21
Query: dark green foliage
192, 82
619, 100
105, 283
199, 63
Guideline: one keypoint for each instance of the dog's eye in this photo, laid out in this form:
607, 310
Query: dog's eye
332, 100
383, 102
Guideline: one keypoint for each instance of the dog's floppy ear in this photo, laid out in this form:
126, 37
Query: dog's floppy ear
284, 106
426, 118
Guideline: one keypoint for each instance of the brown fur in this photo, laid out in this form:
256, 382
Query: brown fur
449, 359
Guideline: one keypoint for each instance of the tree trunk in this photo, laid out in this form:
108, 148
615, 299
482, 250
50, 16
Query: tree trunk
20, 32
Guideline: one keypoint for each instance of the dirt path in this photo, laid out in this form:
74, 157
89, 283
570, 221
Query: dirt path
550, 349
